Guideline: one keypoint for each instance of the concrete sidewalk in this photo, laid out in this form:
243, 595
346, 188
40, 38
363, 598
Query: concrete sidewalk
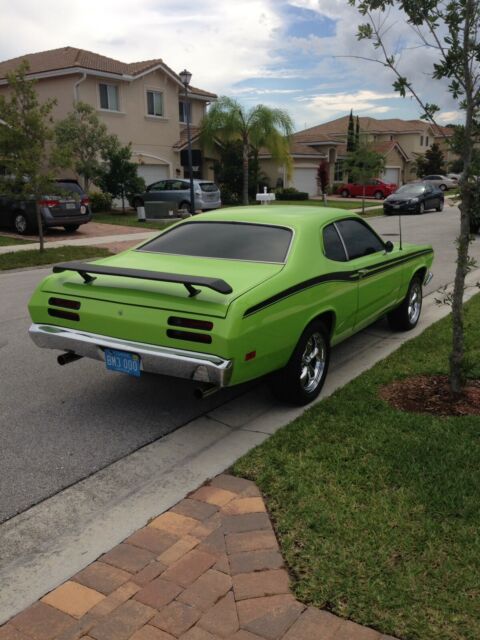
83, 242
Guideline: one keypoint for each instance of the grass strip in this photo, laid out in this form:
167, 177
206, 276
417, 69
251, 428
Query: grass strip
6, 241
35, 258
130, 220
378, 510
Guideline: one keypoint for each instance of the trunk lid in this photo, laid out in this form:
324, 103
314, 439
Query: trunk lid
242, 276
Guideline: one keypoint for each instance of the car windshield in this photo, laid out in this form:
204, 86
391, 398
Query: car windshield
227, 240
411, 189
208, 186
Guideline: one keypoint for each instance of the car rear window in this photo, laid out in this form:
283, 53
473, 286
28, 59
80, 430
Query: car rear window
71, 187
208, 186
226, 240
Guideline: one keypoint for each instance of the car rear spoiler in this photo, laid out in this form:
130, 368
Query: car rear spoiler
85, 269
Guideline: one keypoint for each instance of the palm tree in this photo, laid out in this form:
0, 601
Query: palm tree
227, 120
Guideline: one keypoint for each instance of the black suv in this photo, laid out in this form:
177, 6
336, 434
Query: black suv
69, 207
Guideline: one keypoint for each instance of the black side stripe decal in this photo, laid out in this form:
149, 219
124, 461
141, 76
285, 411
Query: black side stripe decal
339, 276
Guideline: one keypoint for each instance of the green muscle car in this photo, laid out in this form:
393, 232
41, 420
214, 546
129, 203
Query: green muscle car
233, 295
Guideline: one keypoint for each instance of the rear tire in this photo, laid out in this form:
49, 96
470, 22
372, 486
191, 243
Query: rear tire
71, 228
378, 195
302, 379
184, 205
405, 317
344, 193
443, 187
21, 223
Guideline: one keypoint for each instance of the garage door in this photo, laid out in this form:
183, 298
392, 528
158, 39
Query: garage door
391, 174
306, 180
152, 172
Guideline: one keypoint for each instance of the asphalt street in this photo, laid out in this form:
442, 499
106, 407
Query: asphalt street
59, 425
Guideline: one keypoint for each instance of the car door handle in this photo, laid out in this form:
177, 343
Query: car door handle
362, 272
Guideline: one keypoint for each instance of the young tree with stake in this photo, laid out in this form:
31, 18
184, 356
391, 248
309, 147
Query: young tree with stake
452, 30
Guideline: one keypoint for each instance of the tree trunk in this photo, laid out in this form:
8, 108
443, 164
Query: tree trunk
39, 224
457, 373
245, 171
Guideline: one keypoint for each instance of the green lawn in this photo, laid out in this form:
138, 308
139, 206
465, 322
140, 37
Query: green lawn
129, 219
7, 240
377, 510
372, 208
34, 258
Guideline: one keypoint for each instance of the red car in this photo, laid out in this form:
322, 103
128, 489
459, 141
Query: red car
373, 189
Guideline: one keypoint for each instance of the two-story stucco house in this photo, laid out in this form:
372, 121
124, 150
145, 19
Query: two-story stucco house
143, 103
399, 141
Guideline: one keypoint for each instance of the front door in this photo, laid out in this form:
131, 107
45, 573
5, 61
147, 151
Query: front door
379, 280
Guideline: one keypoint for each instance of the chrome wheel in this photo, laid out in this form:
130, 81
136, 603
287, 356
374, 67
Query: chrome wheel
20, 223
414, 302
313, 362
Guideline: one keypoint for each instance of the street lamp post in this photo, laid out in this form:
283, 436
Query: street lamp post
185, 77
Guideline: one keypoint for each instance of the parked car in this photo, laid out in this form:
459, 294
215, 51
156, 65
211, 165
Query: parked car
414, 197
230, 296
440, 181
373, 189
67, 206
454, 176
206, 194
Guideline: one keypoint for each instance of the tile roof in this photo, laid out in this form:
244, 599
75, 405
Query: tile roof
367, 124
71, 57
194, 133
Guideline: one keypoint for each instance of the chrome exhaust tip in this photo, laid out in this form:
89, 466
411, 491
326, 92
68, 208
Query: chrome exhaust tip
67, 357
203, 392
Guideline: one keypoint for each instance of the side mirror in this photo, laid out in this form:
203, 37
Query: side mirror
388, 246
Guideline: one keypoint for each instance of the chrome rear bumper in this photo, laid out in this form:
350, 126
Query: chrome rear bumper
202, 367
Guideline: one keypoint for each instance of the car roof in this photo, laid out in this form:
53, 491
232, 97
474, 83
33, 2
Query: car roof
280, 215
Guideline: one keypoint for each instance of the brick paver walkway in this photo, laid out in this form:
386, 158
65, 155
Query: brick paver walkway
207, 569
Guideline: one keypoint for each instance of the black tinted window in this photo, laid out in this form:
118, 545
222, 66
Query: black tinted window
208, 186
230, 240
158, 186
359, 239
333, 245
71, 187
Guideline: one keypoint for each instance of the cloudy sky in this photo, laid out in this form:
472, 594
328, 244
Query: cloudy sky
290, 54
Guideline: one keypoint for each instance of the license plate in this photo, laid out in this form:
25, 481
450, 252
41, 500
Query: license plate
396, 206
70, 205
122, 361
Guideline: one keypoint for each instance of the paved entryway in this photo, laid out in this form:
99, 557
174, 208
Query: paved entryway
208, 569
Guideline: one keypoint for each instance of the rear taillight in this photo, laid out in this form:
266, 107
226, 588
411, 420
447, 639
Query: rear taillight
188, 335
49, 203
66, 315
63, 302
85, 201
190, 323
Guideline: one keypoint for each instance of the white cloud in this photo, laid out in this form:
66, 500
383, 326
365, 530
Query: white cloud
226, 43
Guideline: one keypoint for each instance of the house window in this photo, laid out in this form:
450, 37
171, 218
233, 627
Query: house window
338, 173
155, 103
426, 141
184, 110
109, 97
421, 141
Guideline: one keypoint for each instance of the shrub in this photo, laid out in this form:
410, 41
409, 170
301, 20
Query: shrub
100, 201
290, 193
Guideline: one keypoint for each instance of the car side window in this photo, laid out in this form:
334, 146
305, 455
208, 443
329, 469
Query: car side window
359, 239
332, 244
158, 186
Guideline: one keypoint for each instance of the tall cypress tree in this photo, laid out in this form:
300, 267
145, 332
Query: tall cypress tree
357, 133
351, 133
